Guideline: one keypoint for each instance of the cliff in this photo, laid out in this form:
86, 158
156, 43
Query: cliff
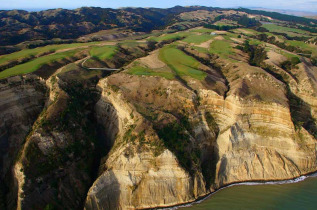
22, 99
246, 132
156, 141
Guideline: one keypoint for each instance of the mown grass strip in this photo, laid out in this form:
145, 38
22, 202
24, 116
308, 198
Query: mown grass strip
202, 30
197, 39
167, 37
103, 52
37, 63
180, 63
221, 48
40, 50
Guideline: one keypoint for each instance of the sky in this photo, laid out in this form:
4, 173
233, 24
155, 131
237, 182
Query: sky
298, 5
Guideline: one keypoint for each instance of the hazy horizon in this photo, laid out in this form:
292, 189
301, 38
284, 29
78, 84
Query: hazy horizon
36, 5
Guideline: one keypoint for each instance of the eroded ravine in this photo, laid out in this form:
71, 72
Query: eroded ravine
65, 144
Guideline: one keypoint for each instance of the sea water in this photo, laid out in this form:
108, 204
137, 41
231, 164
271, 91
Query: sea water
300, 193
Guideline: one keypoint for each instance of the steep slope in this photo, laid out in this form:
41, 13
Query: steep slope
22, 99
64, 145
207, 139
139, 172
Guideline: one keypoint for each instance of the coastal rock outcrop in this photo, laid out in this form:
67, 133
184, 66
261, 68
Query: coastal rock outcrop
246, 133
136, 173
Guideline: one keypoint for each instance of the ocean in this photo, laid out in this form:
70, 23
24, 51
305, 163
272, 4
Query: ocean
296, 194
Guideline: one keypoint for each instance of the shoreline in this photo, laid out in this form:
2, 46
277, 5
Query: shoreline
254, 182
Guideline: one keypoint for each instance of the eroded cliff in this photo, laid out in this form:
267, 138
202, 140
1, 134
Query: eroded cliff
170, 127
22, 99
174, 142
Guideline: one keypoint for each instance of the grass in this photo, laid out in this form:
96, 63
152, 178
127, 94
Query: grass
36, 63
180, 63
39, 50
140, 70
197, 39
255, 42
200, 49
221, 48
288, 31
202, 30
303, 45
130, 43
166, 37
229, 35
246, 31
288, 55
103, 52
226, 23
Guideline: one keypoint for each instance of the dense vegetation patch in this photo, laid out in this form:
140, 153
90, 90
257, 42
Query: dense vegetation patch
220, 27
248, 22
176, 138
290, 63
257, 54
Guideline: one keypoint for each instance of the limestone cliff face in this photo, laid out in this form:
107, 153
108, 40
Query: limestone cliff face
258, 142
135, 174
245, 134
257, 138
